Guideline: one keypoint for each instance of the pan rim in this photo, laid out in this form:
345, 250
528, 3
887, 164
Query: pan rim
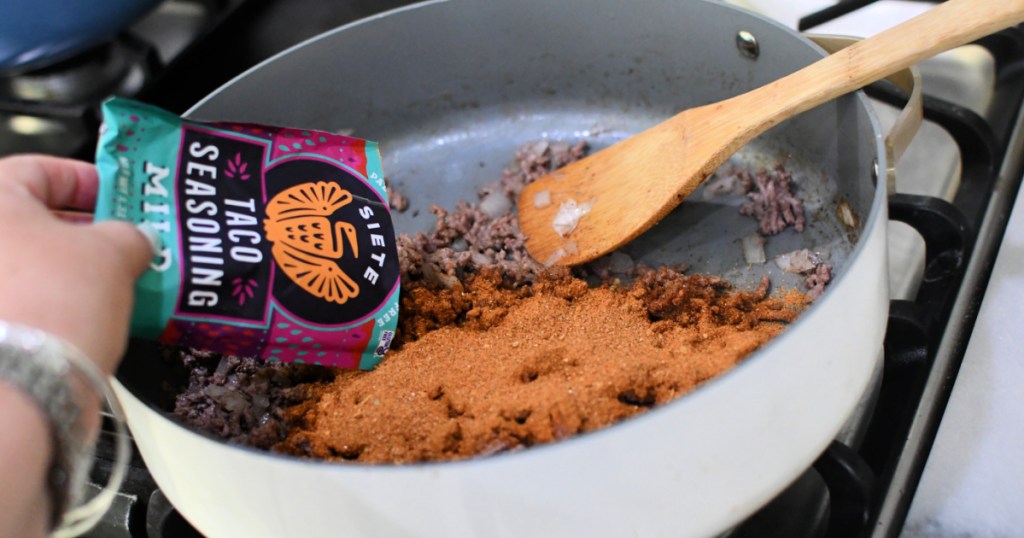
875, 214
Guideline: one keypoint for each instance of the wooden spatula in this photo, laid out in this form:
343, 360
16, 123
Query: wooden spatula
630, 186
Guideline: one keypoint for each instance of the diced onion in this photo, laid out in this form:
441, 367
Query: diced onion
554, 257
542, 199
447, 280
722, 185
495, 204
846, 215
569, 215
568, 250
753, 249
797, 262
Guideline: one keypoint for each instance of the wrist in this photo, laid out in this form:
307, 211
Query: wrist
72, 328
25, 460
67, 387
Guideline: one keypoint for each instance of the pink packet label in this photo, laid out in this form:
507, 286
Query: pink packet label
274, 242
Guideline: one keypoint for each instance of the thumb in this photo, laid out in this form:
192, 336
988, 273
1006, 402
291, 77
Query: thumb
135, 245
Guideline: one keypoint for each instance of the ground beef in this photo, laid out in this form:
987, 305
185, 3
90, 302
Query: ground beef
817, 279
771, 200
804, 262
469, 238
534, 161
242, 399
396, 199
463, 240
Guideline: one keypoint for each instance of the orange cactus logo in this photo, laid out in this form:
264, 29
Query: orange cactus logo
306, 245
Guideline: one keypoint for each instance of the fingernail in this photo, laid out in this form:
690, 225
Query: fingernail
151, 234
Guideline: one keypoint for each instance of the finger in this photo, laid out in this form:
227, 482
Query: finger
57, 182
134, 246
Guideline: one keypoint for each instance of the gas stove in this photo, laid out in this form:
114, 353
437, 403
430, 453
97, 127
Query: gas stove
957, 183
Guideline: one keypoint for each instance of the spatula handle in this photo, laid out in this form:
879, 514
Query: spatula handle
945, 26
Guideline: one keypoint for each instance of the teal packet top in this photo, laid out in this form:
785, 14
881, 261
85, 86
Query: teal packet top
274, 242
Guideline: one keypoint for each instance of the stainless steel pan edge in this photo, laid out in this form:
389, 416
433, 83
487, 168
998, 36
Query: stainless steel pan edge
694, 467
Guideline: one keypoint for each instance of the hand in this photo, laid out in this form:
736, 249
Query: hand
74, 281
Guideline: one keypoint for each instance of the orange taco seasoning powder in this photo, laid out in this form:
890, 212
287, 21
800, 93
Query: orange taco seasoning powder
485, 368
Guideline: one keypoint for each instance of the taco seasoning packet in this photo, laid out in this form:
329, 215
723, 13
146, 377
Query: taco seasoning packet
274, 243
